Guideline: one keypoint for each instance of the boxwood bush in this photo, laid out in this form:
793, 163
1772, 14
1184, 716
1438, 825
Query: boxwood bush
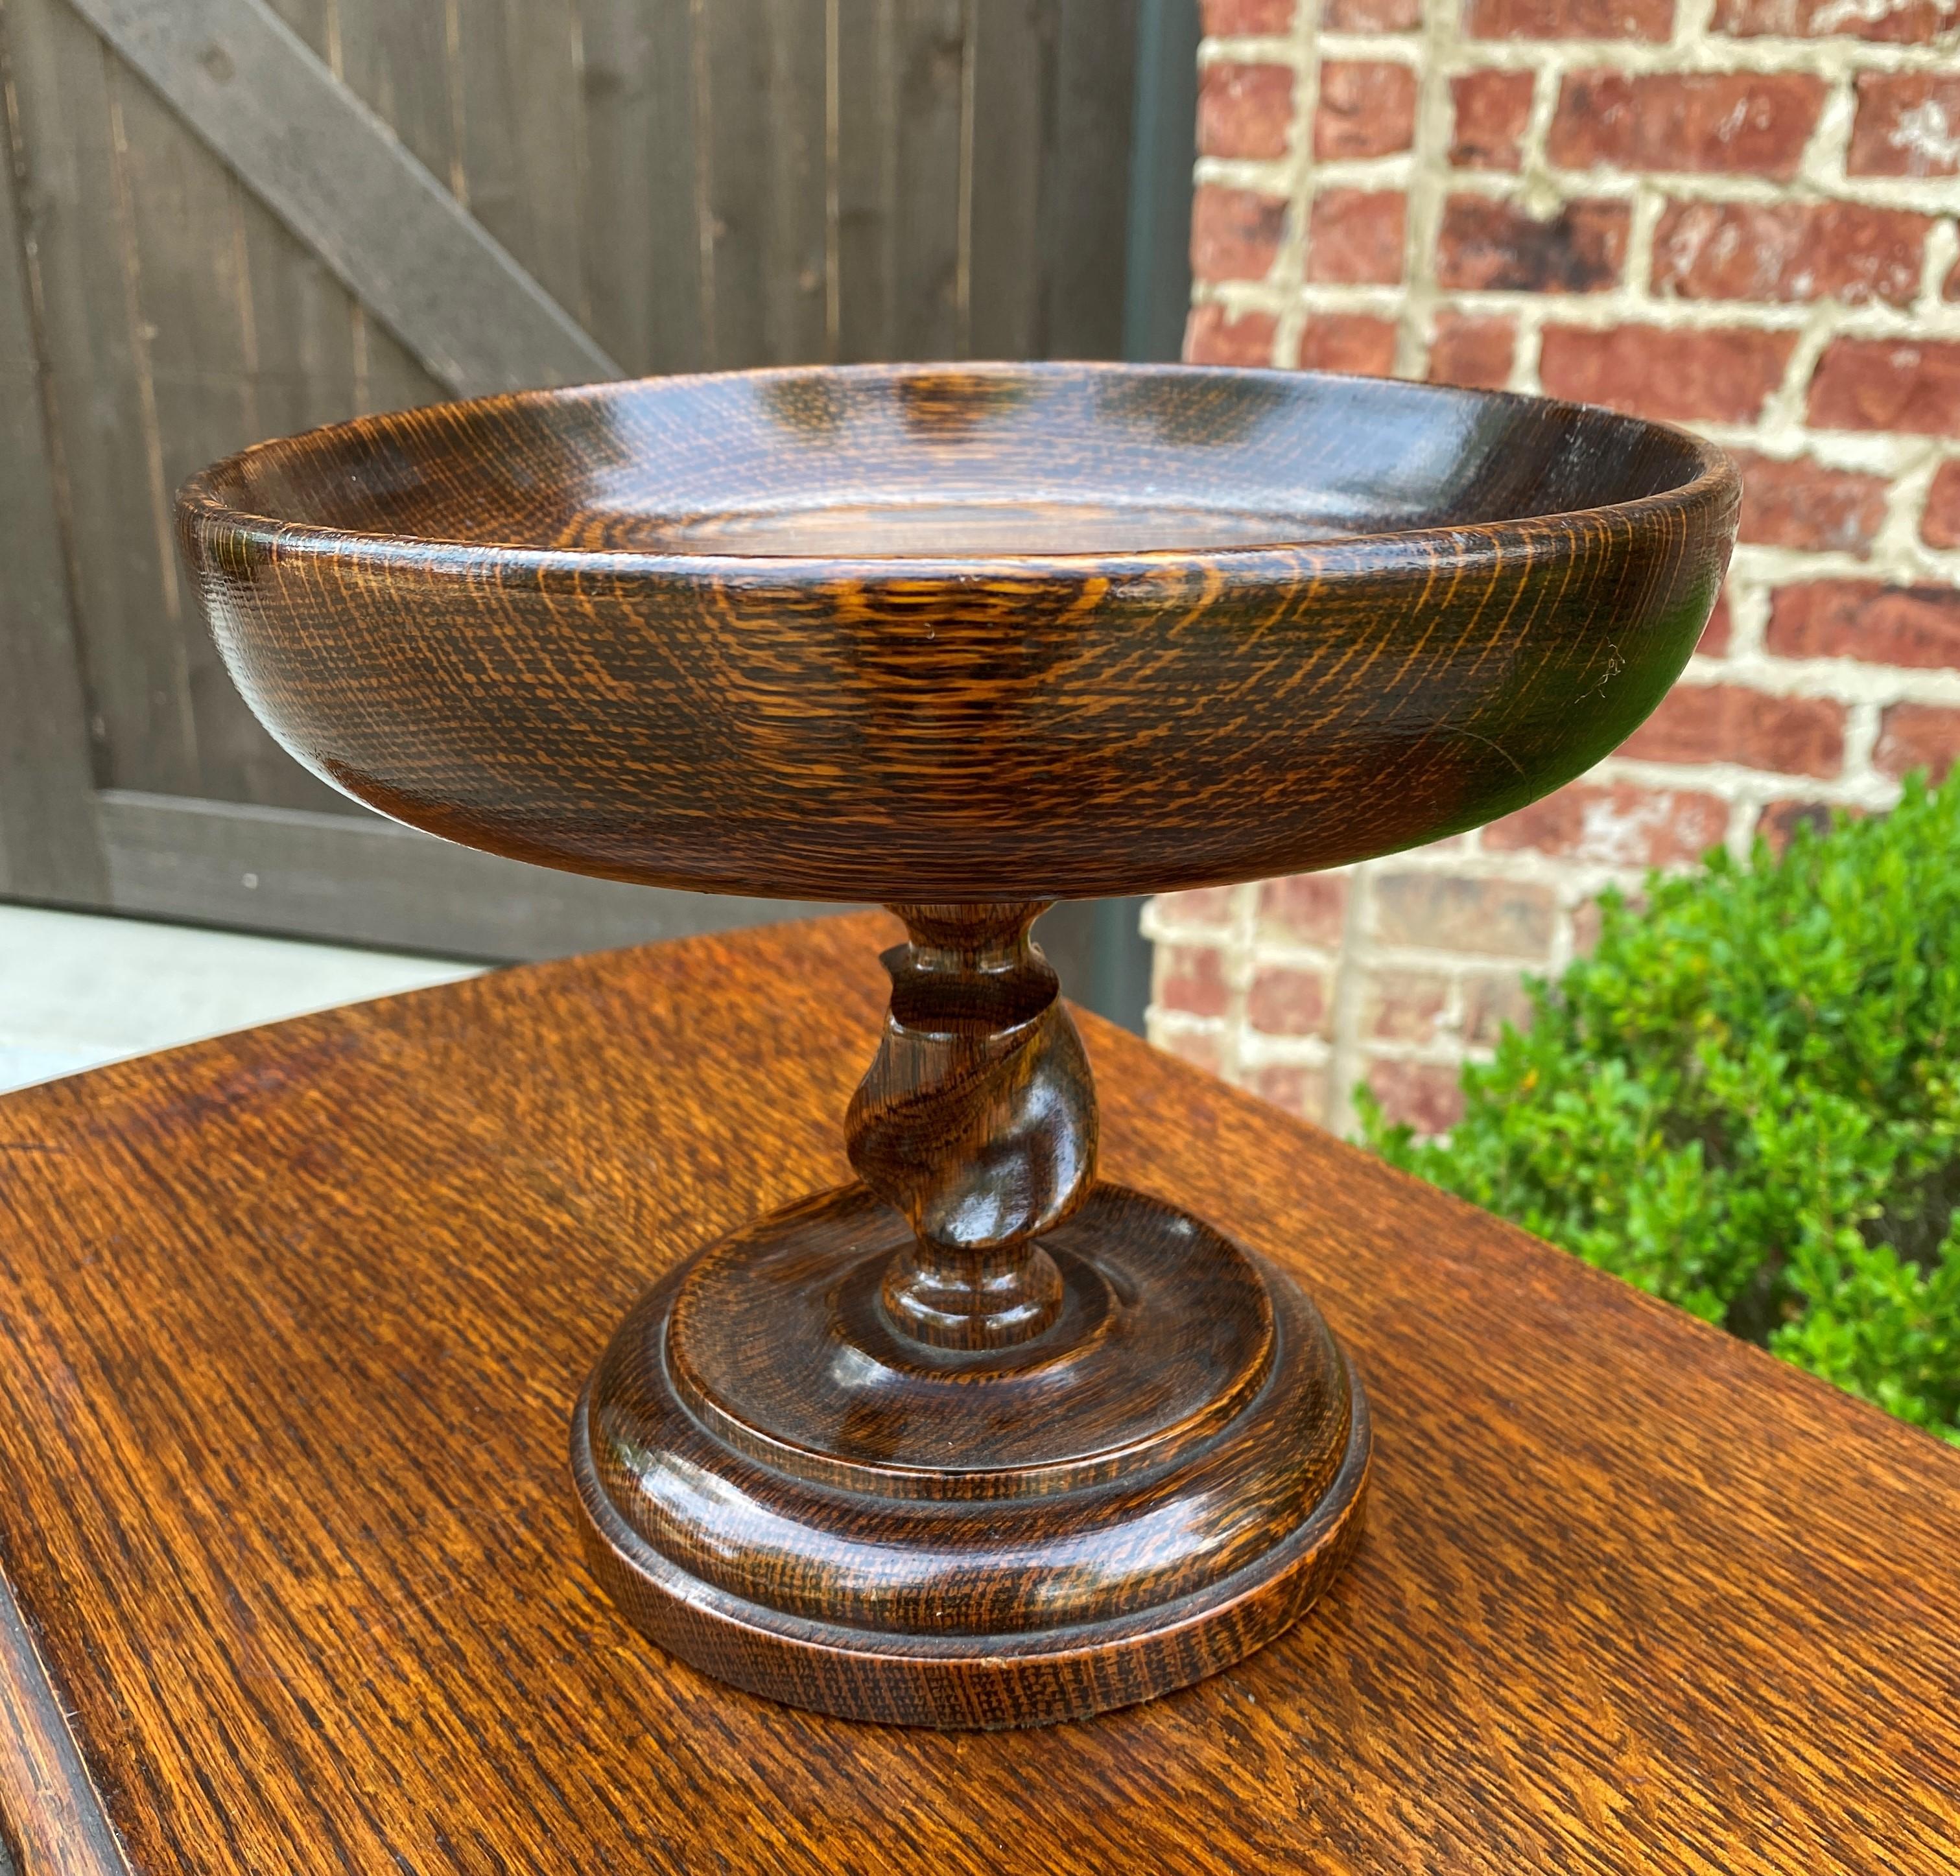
1747, 1101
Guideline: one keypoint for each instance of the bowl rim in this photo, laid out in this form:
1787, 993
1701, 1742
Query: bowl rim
201, 510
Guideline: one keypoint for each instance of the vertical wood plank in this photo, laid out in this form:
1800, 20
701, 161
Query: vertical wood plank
395, 55
96, 350
204, 338
302, 326
731, 143
766, 175
50, 843
316, 22
1013, 131
641, 242
866, 136
795, 226
517, 116
1085, 209
931, 56
318, 352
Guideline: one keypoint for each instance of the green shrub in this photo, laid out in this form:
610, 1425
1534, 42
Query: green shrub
1747, 1101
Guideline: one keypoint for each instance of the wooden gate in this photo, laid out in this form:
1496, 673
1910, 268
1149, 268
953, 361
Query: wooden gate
228, 219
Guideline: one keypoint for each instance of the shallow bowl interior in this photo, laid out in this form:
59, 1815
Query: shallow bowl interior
929, 464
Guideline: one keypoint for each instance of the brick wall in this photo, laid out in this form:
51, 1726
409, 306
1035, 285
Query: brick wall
1737, 213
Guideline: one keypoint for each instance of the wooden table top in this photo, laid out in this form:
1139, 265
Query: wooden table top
291, 1324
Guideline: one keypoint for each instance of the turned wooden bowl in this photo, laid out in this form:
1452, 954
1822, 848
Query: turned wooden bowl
975, 1440
994, 632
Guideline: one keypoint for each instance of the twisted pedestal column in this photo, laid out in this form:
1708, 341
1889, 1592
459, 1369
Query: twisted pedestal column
978, 1440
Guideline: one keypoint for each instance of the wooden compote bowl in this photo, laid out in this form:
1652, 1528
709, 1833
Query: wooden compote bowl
978, 1440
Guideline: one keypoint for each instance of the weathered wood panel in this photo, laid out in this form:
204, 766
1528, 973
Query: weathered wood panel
288, 870
238, 75
931, 234
131, 621
862, 82
1085, 197
184, 242
49, 845
1013, 110
232, 220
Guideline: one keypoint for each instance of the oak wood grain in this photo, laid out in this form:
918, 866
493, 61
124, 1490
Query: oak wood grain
977, 1122
962, 638
288, 1324
977, 1442
54, 1822
786, 1489
961, 633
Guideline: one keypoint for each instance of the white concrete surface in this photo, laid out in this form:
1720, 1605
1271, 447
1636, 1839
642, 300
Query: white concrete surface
77, 990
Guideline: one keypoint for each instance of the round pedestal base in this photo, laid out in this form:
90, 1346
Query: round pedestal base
782, 1489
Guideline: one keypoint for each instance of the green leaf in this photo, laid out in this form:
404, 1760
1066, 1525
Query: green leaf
1747, 1101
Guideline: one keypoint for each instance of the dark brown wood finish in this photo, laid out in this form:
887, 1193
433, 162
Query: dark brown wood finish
976, 1124
1010, 633
288, 1322
979, 1442
784, 1489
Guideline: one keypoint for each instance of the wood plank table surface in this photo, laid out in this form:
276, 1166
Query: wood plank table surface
291, 1324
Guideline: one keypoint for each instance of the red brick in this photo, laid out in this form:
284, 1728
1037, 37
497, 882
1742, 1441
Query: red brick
1246, 19
1918, 626
1442, 911
1492, 108
1191, 979
1722, 374
1950, 287
1356, 235
1485, 243
1801, 503
1235, 232
1293, 1086
1403, 1005
1568, 19
1917, 735
1427, 1096
1244, 110
1789, 250
1289, 999
1939, 525
1370, 16
1213, 336
1714, 640
1492, 1001
1209, 908
1908, 124
1780, 820
1367, 109
1586, 921
1751, 123
1889, 384
1904, 22
1727, 722
1310, 908
1472, 349
1348, 342
1615, 824
1203, 1048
